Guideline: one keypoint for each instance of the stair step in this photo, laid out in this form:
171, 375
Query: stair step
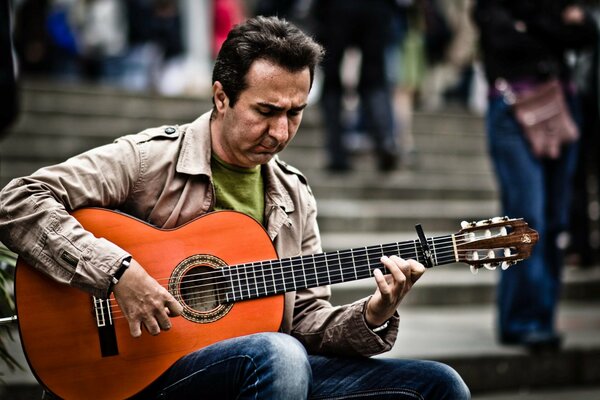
454, 285
386, 215
403, 185
80, 100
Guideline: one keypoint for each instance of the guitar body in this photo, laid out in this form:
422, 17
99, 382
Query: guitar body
58, 325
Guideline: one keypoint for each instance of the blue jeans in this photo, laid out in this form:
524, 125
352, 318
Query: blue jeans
537, 190
276, 366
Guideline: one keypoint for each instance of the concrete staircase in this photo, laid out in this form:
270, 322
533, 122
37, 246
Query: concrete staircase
449, 315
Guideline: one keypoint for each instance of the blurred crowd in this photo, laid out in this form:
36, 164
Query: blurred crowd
130, 44
134, 43
424, 54
384, 59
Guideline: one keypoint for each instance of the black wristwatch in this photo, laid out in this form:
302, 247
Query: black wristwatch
115, 278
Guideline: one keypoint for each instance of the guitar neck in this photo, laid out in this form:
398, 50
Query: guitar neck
271, 277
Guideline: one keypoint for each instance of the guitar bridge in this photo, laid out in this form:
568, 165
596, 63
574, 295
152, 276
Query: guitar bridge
106, 328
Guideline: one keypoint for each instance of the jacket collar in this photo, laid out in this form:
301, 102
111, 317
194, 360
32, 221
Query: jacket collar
194, 156
194, 159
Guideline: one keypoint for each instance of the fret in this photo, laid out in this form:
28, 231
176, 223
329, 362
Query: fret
258, 274
333, 274
327, 269
235, 272
368, 257
321, 270
312, 278
347, 273
432, 247
416, 250
287, 275
374, 257
246, 283
274, 266
252, 282
353, 264
362, 266
265, 278
298, 273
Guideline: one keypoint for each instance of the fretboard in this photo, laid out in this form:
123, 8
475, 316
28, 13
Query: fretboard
270, 277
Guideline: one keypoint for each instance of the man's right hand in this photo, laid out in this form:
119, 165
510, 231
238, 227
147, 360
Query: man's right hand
144, 301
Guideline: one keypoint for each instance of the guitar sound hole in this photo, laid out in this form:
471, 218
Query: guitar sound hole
196, 284
199, 289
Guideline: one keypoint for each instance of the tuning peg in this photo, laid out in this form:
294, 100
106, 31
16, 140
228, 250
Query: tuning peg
504, 265
465, 224
474, 270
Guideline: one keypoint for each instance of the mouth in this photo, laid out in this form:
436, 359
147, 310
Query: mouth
271, 148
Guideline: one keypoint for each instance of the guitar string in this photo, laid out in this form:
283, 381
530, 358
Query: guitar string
206, 294
336, 274
318, 258
347, 255
343, 256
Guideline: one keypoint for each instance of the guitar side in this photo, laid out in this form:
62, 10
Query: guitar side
59, 331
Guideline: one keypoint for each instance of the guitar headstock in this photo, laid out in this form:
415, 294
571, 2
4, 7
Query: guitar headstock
494, 242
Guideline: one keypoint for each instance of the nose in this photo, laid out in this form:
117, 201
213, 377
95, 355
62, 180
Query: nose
280, 129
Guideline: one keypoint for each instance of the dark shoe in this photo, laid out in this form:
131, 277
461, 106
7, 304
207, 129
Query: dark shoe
387, 162
534, 341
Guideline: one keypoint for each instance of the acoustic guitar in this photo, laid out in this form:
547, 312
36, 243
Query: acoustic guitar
224, 270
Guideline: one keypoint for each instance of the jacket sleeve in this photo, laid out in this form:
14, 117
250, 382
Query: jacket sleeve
35, 220
327, 329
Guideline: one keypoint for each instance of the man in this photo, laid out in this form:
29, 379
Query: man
226, 160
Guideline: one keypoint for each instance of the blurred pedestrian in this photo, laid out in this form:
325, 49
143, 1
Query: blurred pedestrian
8, 78
524, 44
364, 24
583, 248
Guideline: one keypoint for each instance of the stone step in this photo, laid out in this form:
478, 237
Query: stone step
361, 216
474, 164
455, 285
96, 100
401, 185
308, 138
81, 98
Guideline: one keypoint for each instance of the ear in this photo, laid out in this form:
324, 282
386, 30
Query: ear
219, 96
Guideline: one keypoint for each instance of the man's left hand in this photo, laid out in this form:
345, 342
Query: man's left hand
391, 288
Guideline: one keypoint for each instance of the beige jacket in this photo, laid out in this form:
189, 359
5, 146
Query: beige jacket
162, 176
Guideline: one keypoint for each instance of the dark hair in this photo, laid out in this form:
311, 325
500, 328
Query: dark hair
267, 38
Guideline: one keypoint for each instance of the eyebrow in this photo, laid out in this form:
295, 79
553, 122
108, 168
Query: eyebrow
278, 108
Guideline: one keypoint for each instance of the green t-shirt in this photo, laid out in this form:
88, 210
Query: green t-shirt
239, 189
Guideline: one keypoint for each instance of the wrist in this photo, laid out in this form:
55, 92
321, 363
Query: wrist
119, 273
374, 321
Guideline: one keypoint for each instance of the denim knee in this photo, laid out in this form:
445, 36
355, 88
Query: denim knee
285, 364
448, 383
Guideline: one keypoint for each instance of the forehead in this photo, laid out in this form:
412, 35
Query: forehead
266, 77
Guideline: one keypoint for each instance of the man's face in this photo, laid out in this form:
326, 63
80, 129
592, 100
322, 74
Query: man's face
264, 119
